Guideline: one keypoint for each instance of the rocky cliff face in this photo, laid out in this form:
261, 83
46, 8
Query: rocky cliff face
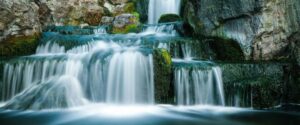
18, 18
261, 27
27, 18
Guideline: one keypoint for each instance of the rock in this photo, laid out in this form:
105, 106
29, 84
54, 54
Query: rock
118, 1
295, 47
164, 93
260, 27
169, 18
125, 23
107, 20
124, 8
294, 83
258, 85
93, 16
19, 45
21, 19
142, 8
226, 49
2, 26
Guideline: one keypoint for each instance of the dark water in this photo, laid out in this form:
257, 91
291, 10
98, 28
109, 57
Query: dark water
148, 115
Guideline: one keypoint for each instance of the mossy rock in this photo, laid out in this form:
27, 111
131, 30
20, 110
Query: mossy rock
19, 45
127, 8
226, 49
127, 29
163, 76
132, 26
260, 93
169, 18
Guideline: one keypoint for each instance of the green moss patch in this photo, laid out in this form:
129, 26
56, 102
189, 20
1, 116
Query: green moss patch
19, 46
163, 76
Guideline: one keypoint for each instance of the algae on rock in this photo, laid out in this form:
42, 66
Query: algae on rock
163, 76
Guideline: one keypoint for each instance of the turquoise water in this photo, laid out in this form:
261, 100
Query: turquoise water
148, 115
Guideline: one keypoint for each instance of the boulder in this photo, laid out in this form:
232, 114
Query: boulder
169, 18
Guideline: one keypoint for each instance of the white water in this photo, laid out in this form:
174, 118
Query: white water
62, 91
160, 7
164, 29
106, 72
198, 86
129, 76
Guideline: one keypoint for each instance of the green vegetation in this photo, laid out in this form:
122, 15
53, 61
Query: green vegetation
163, 76
19, 46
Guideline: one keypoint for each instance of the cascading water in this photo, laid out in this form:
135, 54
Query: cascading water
160, 7
105, 68
106, 72
198, 83
193, 85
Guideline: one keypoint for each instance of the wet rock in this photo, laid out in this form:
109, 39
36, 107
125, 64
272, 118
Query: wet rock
19, 45
164, 93
169, 18
257, 85
142, 8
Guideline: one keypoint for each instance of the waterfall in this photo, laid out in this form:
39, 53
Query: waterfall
88, 65
104, 72
198, 85
128, 77
160, 7
155, 10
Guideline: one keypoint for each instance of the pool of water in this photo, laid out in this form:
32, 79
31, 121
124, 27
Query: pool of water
103, 114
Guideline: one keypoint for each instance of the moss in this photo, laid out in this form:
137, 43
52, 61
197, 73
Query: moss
261, 93
129, 8
266, 94
129, 28
19, 45
169, 18
163, 76
226, 49
126, 29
